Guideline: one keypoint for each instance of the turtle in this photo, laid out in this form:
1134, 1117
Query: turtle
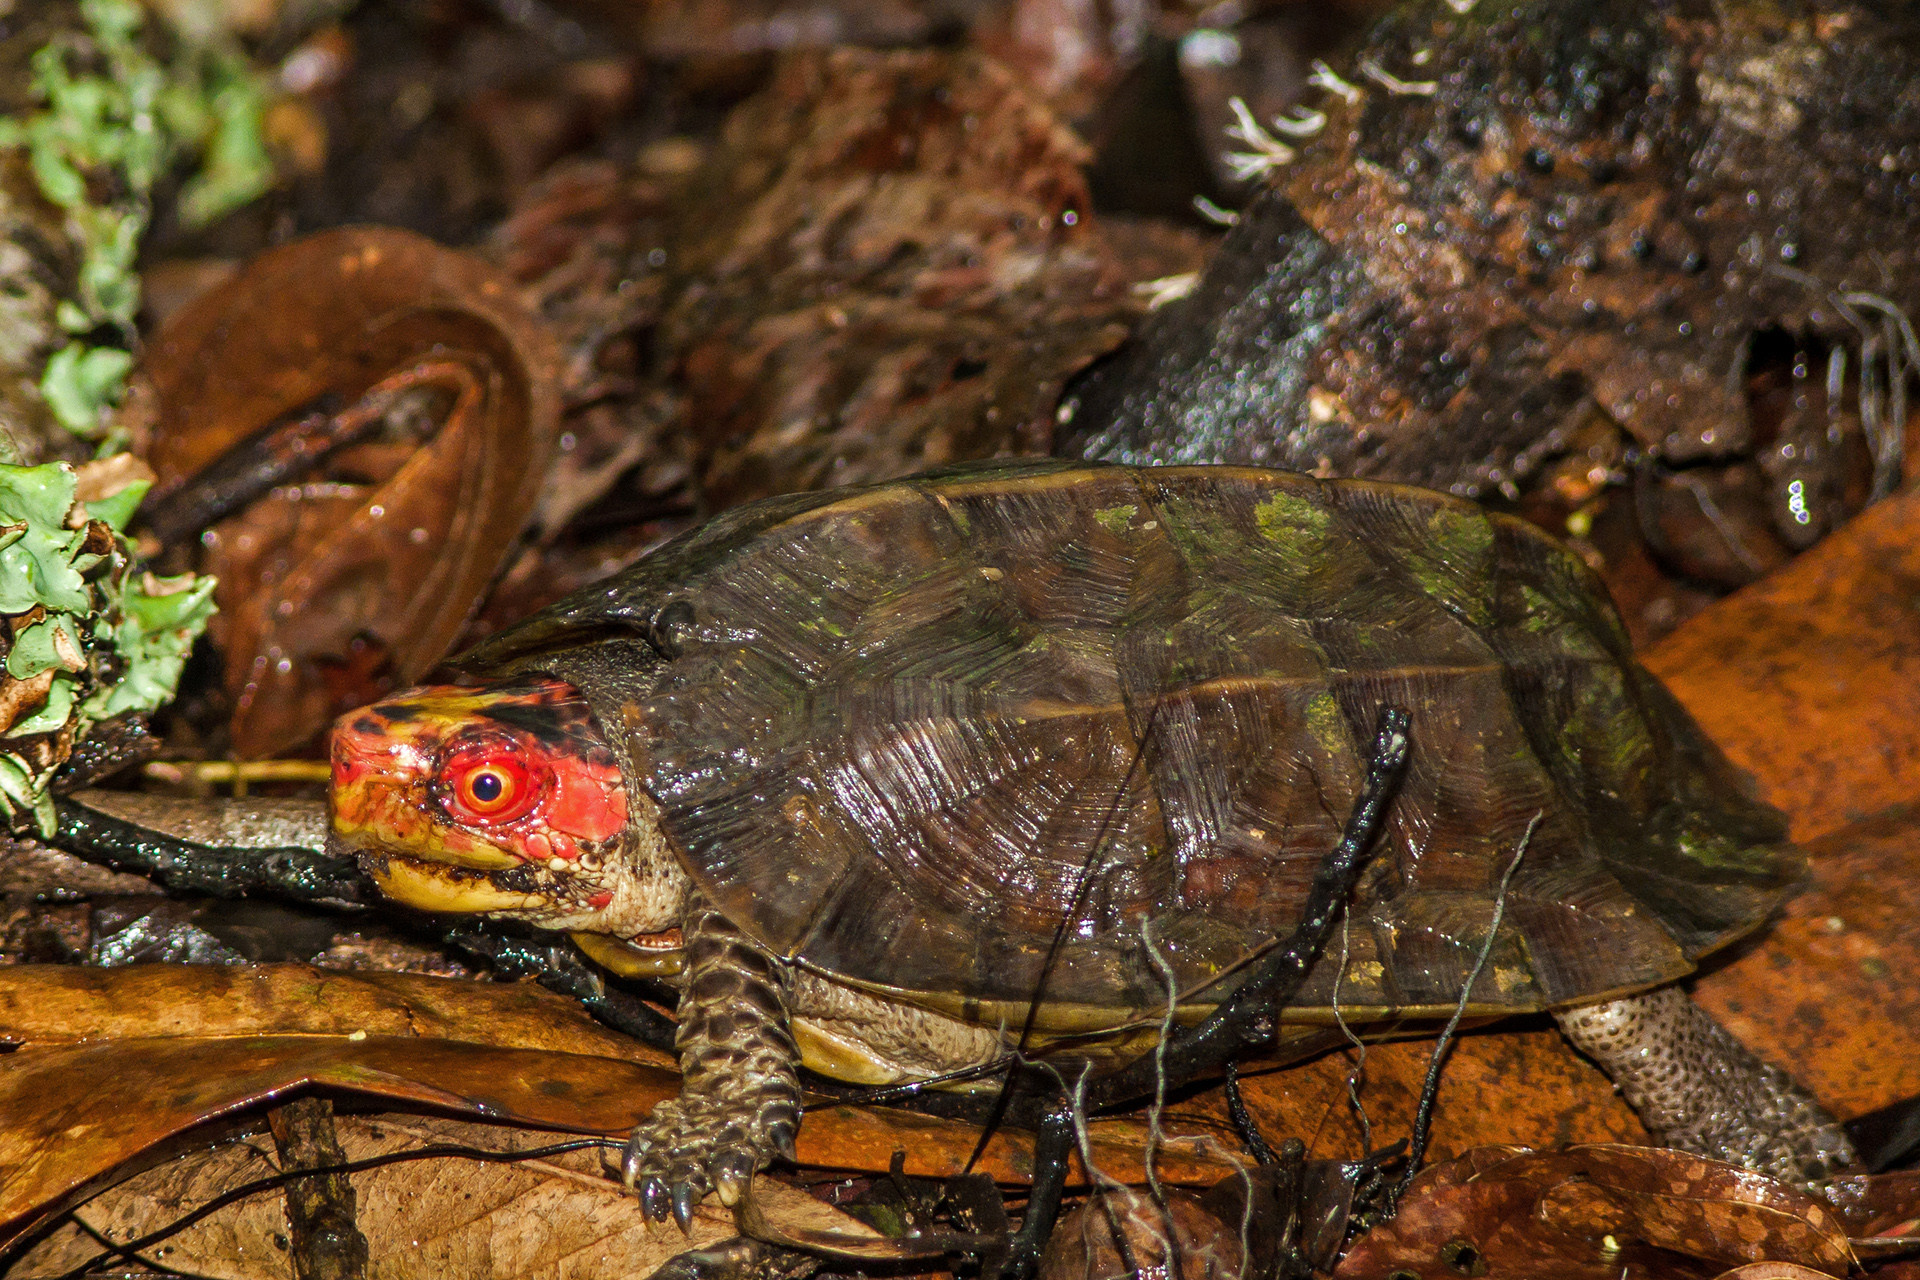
881, 778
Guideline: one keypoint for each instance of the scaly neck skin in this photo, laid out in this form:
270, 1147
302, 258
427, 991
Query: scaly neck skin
503, 800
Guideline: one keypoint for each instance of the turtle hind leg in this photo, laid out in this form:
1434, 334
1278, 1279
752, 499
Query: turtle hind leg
739, 1103
1699, 1089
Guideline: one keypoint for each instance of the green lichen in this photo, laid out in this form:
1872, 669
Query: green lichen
113, 638
1292, 525
1454, 563
159, 619
81, 383
111, 120
53, 642
1604, 732
1117, 520
1328, 726
37, 565
1538, 613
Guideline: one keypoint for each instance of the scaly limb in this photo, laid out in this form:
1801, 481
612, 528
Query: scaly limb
739, 1103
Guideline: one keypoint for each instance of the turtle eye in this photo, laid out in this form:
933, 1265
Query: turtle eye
489, 783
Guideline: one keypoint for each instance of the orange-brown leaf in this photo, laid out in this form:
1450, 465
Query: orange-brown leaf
1810, 678
1590, 1211
49, 1006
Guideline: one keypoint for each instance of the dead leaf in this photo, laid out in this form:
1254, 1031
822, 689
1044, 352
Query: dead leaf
1810, 679
1564, 1098
1882, 1210
51, 1006
586, 244
431, 1218
65, 1122
404, 561
887, 265
1082, 1247
65, 1118
1832, 990
1592, 1211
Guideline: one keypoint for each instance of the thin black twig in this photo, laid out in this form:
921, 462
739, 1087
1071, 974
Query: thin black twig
1244, 1124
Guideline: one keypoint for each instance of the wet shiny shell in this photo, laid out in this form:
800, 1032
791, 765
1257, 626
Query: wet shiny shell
901, 733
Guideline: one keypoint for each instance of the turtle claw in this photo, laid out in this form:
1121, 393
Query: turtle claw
690, 1147
781, 1133
732, 1172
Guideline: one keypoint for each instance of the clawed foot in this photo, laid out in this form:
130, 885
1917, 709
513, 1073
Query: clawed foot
693, 1145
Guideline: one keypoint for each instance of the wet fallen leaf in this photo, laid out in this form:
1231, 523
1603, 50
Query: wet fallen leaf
1548, 1095
65, 1122
437, 1217
1882, 1205
1600, 1211
1832, 990
866, 1138
400, 559
1810, 679
49, 1006
1807, 681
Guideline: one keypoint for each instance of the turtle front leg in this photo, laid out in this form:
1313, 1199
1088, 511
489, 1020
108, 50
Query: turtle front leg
1699, 1089
739, 1103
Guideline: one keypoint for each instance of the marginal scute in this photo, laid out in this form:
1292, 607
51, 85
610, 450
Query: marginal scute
911, 729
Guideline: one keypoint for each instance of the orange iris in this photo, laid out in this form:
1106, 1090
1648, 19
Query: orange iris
489, 783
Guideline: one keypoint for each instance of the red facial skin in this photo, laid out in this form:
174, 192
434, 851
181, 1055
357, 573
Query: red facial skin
466, 775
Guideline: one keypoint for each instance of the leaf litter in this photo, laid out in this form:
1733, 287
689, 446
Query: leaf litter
1836, 778
431, 1217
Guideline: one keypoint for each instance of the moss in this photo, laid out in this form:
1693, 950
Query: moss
1542, 616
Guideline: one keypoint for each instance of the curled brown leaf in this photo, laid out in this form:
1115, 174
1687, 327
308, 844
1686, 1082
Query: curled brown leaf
365, 576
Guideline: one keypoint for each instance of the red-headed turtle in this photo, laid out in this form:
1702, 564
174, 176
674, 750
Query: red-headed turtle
848, 768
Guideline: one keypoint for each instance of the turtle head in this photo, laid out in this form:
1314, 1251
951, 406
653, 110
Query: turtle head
503, 800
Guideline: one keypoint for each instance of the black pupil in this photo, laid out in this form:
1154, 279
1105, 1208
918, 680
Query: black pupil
487, 787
